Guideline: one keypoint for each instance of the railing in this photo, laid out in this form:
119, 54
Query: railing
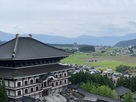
25, 86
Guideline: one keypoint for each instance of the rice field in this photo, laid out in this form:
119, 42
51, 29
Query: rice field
102, 60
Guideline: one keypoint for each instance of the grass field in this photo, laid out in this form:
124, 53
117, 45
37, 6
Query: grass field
103, 60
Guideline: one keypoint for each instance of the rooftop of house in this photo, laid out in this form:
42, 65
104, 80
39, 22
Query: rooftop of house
28, 99
121, 90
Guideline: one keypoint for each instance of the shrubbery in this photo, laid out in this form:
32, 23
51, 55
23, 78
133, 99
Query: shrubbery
98, 89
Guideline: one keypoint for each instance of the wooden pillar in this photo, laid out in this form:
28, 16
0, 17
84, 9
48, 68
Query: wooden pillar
8, 83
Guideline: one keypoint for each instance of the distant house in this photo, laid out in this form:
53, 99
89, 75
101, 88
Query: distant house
115, 77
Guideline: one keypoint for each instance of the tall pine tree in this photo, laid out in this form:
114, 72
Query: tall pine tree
3, 92
0, 91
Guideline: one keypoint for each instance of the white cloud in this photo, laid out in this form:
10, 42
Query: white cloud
68, 17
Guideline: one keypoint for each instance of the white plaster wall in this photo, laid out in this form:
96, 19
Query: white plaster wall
12, 93
57, 90
6, 82
37, 96
60, 89
11, 83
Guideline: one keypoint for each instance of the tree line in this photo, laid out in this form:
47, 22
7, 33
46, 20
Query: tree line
129, 83
94, 83
103, 85
95, 78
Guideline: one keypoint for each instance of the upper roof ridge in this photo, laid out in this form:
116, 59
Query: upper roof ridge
15, 46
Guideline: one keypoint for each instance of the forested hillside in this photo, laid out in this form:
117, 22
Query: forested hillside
126, 43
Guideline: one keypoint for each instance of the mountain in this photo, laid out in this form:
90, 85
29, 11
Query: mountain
126, 43
84, 39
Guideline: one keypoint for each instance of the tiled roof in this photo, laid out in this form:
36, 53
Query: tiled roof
25, 48
33, 70
121, 90
27, 99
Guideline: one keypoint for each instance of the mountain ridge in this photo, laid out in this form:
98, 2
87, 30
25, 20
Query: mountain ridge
83, 39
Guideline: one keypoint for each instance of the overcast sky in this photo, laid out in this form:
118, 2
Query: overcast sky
68, 18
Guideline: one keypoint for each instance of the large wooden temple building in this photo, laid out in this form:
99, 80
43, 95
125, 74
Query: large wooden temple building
31, 68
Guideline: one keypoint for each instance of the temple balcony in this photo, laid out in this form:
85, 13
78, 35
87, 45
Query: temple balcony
28, 94
58, 86
60, 78
25, 86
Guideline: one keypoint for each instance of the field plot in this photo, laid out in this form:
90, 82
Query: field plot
100, 60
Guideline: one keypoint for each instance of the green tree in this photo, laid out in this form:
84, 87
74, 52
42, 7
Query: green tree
0, 91
120, 82
3, 92
98, 89
95, 78
128, 97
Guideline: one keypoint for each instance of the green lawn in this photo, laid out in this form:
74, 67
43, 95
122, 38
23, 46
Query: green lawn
103, 60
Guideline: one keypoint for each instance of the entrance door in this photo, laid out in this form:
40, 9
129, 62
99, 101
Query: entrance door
45, 93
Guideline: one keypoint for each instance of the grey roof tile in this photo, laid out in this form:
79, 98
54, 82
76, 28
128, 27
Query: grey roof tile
121, 90
29, 48
33, 70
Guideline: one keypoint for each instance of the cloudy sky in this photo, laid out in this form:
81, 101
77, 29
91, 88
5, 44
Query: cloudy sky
68, 18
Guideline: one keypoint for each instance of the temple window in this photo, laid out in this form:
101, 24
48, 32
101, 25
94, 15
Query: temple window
60, 82
65, 74
36, 80
60, 75
26, 91
36, 88
31, 81
19, 93
52, 84
18, 84
32, 89
44, 84
65, 81
56, 83
56, 76
26, 82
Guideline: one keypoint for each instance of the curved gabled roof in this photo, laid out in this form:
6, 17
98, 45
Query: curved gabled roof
25, 48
